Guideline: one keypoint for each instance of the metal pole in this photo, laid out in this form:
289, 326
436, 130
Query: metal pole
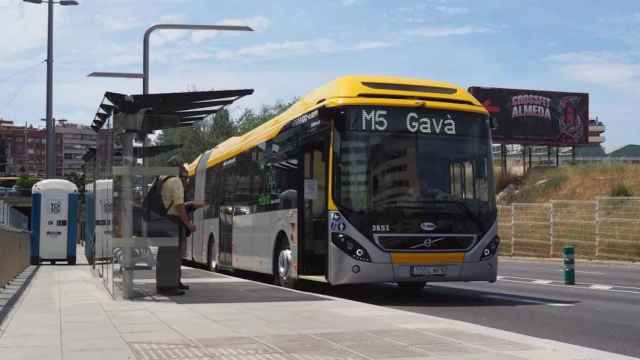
126, 221
569, 265
51, 131
147, 34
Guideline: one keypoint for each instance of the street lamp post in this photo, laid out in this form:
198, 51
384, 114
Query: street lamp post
145, 52
147, 34
51, 130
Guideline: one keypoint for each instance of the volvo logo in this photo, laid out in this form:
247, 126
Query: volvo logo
427, 243
427, 226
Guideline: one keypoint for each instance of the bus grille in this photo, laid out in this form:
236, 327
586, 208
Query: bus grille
426, 242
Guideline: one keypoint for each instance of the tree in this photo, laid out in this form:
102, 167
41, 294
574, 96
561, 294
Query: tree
212, 131
249, 120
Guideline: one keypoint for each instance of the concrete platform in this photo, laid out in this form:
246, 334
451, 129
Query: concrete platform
65, 313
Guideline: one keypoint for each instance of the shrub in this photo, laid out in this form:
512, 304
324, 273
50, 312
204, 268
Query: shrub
621, 190
24, 184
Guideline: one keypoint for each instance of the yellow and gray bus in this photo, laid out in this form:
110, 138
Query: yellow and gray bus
366, 179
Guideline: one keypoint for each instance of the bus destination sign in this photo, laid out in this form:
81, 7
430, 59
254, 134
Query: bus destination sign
415, 120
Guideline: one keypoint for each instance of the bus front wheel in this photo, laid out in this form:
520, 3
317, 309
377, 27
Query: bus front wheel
210, 266
413, 286
283, 266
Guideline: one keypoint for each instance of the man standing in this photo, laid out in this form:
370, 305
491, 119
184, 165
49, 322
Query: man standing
175, 224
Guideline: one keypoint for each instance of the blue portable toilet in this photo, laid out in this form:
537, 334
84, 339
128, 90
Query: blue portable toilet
54, 221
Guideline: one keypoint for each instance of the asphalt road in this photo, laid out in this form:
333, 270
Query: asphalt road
601, 311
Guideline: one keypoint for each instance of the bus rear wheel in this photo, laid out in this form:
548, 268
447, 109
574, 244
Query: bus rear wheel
283, 266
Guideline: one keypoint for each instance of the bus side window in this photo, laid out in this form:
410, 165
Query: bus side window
468, 180
226, 186
278, 166
482, 179
455, 171
212, 182
462, 180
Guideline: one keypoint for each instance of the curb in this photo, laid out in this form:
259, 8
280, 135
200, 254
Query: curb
630, 264
12, 291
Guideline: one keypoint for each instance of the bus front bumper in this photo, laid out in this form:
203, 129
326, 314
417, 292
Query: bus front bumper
345, 270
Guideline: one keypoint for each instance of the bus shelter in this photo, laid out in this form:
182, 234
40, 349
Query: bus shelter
123, 240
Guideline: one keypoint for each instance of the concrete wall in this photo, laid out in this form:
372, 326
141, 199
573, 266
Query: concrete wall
15, 253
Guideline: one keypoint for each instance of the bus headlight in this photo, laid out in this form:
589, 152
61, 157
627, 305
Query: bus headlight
491, 248
350, 247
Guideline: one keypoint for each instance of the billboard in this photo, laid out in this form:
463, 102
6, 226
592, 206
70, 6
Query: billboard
536, 117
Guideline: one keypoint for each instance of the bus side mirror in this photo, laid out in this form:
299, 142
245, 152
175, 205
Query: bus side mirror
493, 122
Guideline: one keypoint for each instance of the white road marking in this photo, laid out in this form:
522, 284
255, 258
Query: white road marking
543, 282
601, 287
585, 272
529, 301
587, 286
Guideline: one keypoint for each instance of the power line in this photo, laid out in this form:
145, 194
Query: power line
19, 89
20, 71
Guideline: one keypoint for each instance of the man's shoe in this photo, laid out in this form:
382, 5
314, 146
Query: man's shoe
170, 291
183, 286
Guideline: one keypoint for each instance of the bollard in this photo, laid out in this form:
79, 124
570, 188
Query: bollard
569, 265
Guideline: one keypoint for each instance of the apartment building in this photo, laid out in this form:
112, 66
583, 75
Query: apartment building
23, 148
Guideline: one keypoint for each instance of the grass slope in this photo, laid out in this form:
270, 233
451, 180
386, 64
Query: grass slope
579, 182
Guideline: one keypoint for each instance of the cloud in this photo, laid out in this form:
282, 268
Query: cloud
280, 50
349, 2
367, 45
444, 31
24, 28
273, 50
621, 19
450, 10
604, 68
124, 23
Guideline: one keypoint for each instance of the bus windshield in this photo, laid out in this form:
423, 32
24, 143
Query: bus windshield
397, 168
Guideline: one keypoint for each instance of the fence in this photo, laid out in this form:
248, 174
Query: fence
13, 218
608, 228
15, 252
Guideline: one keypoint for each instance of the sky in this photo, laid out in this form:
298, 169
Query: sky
298, 45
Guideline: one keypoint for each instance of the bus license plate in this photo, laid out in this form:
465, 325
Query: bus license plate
428, 270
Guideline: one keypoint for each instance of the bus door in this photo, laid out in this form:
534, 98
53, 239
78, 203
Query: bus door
313, 247
226, 236
225, 244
